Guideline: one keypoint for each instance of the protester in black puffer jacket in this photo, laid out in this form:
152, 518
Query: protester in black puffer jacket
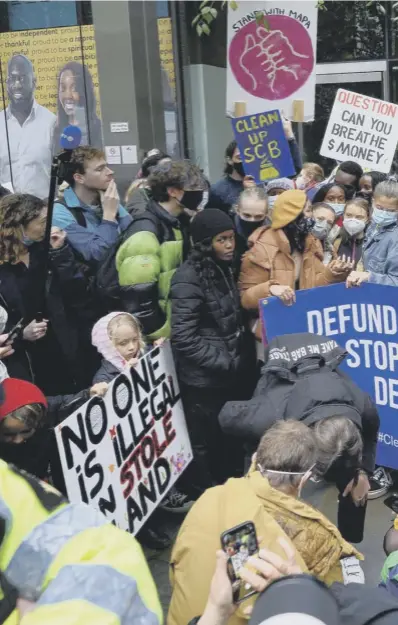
301, 380
211, 349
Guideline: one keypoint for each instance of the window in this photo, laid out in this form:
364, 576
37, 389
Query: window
349, 31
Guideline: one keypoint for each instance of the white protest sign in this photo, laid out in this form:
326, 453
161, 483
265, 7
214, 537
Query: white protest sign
269, 69
122, 453
362, 129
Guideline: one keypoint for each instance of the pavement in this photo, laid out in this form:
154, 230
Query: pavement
324, 497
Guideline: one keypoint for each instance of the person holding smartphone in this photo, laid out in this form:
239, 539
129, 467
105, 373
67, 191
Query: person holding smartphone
268, 498
52, 351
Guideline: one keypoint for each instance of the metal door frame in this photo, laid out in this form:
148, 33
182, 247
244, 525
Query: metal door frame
354, 72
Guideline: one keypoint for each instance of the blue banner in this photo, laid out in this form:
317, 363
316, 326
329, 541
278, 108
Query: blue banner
263, 146
362, 320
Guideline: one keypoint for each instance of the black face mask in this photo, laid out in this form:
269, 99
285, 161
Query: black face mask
297, 232
304, 225
238, 167
248, 227
192, 199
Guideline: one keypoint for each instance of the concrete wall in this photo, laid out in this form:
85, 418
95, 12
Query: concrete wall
211, 129
129, 76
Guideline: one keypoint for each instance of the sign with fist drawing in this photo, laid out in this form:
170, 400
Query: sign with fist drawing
271, 62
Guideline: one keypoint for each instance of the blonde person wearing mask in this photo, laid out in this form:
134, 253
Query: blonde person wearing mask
251, 212
349, 243
320, 263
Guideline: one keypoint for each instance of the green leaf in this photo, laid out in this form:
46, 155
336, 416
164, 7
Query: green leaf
208, 18
206, 29
233, 5
195, 20
261, 19
205, 10
214, 12
199, 29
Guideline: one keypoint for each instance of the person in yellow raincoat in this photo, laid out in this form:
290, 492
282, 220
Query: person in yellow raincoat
269, 497
65, 558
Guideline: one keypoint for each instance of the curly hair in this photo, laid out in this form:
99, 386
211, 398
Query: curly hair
16, 212
178, 174
78, 161
229, 152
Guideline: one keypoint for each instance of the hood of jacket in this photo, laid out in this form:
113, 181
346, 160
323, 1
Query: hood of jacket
311, 362
291, 355
101, 340
318, 541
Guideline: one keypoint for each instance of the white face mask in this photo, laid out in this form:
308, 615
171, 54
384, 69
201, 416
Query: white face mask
306, 475
271, 201
353, 226
301, 183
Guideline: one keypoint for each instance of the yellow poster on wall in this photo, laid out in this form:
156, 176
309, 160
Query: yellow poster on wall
49, 80
166, 49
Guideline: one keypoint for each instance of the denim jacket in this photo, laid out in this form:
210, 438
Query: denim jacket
380, 254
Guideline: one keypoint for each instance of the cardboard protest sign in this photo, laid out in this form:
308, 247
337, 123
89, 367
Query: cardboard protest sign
271, 64
263, 146
362, 129
122, 453
367, 330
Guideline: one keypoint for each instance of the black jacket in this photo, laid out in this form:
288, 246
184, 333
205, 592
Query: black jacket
364, 605
301, 380
206, 333
68, 307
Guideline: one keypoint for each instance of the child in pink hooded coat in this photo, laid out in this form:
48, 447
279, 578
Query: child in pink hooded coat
119, 339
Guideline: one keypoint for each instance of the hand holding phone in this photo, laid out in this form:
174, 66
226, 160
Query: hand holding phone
239, 543
14, 332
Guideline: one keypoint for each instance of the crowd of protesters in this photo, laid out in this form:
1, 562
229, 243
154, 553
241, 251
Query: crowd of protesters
188, 261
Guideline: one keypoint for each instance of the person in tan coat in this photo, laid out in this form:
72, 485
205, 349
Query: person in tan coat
285, 257
269, 497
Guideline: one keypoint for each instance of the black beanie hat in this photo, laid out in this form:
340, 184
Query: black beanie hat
209, 223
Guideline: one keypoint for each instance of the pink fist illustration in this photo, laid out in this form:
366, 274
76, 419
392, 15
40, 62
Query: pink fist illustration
272, 64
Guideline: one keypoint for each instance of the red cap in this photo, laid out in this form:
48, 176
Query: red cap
18, 393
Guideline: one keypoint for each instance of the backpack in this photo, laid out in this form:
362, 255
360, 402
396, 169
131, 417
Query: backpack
75, 211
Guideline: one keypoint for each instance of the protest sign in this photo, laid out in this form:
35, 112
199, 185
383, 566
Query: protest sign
365, 329
272, 64
263, 146
362, 129
122, 453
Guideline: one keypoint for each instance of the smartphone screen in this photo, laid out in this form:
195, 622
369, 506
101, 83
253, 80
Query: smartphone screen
239, 543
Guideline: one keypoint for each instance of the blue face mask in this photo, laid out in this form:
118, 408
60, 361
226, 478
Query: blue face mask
26, 241
337, 207
382, 217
